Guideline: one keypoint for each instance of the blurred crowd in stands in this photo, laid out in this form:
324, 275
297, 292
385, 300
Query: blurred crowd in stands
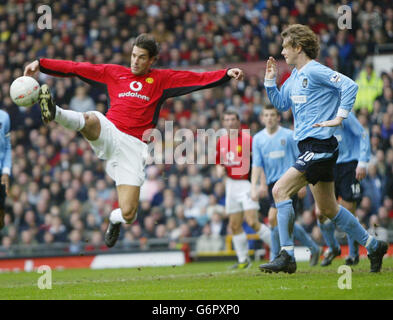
59, 189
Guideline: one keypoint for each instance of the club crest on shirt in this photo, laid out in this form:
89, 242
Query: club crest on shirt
305, 83
283, 142
149, 80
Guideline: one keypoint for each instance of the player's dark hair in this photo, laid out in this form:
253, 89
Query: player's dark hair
303, 36
231, 111
147, 42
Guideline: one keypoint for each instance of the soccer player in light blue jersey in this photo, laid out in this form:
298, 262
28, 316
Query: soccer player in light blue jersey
5, 161
274, 152
320, 99
354, 154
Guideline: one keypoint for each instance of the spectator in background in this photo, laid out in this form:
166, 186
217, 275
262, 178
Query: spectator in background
384, 220
76, 244
96, 242
209, 242
370, 87
5, 248
58, 230
149, 227
81, 102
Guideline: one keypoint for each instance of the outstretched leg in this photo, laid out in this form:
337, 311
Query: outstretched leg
325, 199
88, 124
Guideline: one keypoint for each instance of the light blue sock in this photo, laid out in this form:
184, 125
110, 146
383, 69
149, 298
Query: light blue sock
327, 229
285, 221
346, 221
353, 247
301, 235
275, 243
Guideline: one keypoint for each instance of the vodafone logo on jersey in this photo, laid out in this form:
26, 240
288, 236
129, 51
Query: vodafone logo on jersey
135, 86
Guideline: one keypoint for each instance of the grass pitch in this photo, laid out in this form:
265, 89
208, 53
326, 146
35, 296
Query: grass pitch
202, 281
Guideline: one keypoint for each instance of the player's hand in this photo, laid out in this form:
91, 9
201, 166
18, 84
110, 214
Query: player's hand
236, 73
5, 180
254, 193
271, 69
263, 191
361, 173
32, 68
329, 123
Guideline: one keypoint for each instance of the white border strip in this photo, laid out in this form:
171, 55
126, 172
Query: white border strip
129, 260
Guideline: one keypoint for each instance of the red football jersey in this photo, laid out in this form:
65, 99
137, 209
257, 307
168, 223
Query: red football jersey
135, 101
235, 155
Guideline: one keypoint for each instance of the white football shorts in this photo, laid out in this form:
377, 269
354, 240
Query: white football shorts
125, 155
238, 196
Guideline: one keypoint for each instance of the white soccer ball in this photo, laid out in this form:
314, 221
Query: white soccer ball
24, 91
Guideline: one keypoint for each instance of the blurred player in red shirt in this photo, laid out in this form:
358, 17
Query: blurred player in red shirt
135, 97
233, 157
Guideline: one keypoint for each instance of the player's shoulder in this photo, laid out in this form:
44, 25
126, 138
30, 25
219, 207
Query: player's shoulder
260, 135
115, 69
286, 131
116, 66
318, 69
161, 72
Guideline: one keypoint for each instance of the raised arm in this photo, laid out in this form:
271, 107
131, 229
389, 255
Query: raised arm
183, 82
64, 68
279, 98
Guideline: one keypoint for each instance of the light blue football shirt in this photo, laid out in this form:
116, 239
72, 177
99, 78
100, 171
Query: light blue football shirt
315, 93
5, 143
275, 153
353, 141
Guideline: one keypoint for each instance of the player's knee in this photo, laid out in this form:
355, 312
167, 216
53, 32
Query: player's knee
235, 227
279, 193
92, 127
253, 223
129, 213
323, 212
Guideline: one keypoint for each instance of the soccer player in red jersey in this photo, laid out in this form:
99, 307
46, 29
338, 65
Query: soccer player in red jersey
233, 157
135, 97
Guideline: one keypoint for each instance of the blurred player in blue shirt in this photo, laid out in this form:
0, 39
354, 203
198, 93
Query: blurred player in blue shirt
273, 152
320, 99
354, 154
5, 161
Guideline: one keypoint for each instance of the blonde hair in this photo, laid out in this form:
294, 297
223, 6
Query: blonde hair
302, 36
